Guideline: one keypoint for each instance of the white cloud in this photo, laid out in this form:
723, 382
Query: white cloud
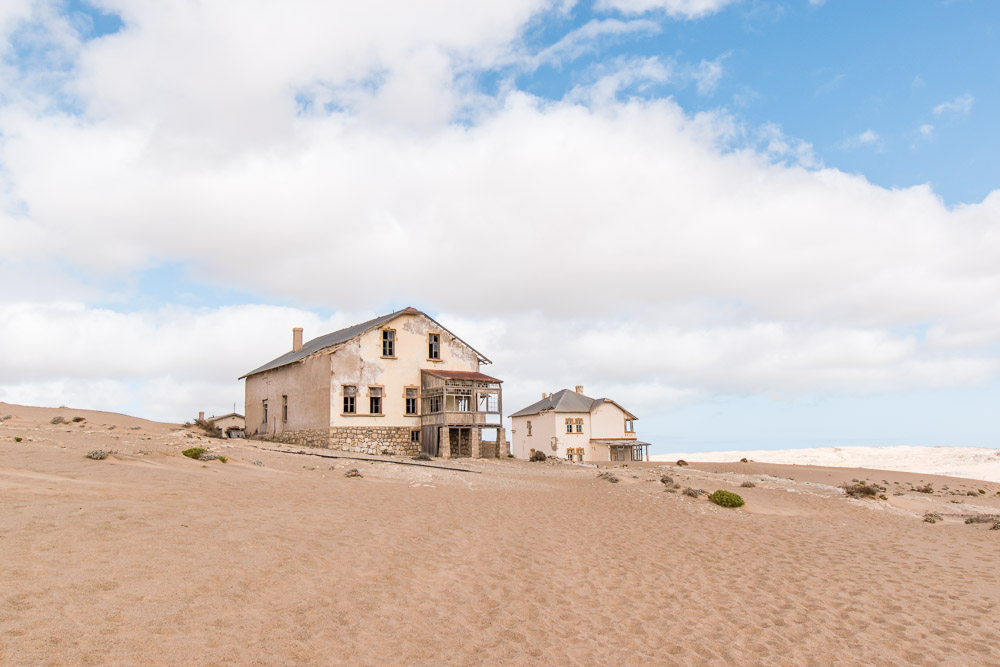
927, 130
686, 9
960, 106
618, 243
587, 37
817, 3
869, 138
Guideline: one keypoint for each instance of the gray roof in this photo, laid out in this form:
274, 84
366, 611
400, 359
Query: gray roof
342, 336
566, 400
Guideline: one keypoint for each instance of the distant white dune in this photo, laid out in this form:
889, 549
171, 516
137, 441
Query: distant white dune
969, 462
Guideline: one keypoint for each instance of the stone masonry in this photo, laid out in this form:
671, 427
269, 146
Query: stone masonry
376, 440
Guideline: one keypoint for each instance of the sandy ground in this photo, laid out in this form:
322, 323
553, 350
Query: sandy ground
970, 462
148, 557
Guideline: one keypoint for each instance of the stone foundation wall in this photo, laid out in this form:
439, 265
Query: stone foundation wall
317, 437
377, 440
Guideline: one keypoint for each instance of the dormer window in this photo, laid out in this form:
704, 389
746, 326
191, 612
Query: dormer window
629, 426
388, 343
433, 346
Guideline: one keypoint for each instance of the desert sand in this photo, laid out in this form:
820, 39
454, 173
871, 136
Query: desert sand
277, 558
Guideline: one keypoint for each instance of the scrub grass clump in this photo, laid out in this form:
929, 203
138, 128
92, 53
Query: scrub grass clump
724, 498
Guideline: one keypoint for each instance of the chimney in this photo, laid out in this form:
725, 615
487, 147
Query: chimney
296, 339
201, 416
579, 388
544, 395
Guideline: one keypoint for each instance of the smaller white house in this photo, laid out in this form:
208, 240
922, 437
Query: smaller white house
570, 425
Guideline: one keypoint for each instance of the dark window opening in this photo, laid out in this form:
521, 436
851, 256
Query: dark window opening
350, 397
388, 343
433, 346
375, 400
411, 401
284, 408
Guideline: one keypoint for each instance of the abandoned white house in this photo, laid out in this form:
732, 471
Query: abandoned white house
570, 425
398, 384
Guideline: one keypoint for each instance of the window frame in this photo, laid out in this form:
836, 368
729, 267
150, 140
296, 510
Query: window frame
407, 399
529, 428
264, 403
381, 401
415, 435
432, 351
391, 342
353, 398
284, 408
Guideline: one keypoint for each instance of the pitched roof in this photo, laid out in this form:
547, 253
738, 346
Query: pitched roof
566, 400
344, 335
461, 375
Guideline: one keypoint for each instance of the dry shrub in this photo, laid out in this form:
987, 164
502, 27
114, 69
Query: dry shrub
353, 472
537, 456
57, 420
983, 518
667, 480
932, 517
747, 485
681, 463
97, 454
422, 456
863, 490
694, 493
210, 429
608, 476
927, 488
724, 498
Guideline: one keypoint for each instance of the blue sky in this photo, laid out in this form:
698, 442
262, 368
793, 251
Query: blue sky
759, 223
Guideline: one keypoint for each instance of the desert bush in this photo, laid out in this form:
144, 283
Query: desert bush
666, 480
353, 472
510, 456
982, 518
725, 498
256, 462
681, 463
927, 488
97, 454
608, 476
210, 429
18, 438
932, 517
971, 493
194, 452
537, 456
77, 420
6, 417
422, 456
694, 493
744, 460
748, 485
56, 420
982, 491
862, 490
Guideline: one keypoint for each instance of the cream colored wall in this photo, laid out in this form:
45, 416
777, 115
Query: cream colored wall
360, 363
608, 422
545, 427
307, 385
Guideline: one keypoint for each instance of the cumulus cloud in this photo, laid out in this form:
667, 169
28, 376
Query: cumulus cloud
607, 239
960, 106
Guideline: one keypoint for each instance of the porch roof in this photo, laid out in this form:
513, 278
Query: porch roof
461, 375
620, 443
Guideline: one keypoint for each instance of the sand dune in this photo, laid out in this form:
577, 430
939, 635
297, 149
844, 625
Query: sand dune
148, 557
968, 462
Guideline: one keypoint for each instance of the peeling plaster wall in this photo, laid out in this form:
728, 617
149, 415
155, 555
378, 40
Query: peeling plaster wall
360, 363
307, 385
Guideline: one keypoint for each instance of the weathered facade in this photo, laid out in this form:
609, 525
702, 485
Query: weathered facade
569, 425
395, 385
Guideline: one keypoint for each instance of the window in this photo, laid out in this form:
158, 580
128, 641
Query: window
435, 404
375, 400
579, 425
350, 397
433, 346
529, 428
629, 426
265, 410
388, 343
414, 436
569, 425
284, 408
569, 453
411, 401
462, 403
